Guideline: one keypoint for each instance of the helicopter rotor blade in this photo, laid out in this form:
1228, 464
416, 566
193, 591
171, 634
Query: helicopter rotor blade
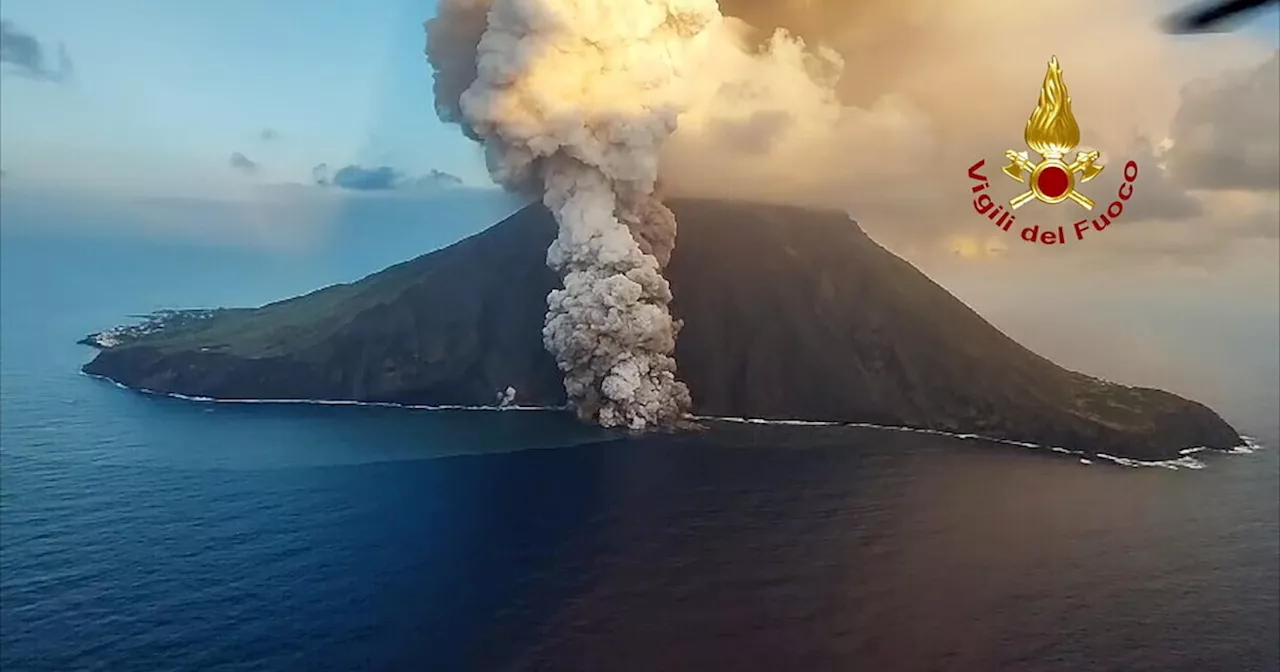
1214, 16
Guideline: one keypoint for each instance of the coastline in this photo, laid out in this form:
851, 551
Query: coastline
1185, 461
434, 331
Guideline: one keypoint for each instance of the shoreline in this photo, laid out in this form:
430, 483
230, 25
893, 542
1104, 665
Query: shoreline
1185, 461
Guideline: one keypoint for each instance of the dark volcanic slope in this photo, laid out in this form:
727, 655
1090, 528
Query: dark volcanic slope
788, 313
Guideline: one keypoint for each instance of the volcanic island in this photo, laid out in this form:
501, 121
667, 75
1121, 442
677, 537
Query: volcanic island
788, 314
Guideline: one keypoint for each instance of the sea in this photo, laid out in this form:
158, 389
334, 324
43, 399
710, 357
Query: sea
142, 532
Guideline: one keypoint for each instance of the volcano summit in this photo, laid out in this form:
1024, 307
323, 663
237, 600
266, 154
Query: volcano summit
787, 314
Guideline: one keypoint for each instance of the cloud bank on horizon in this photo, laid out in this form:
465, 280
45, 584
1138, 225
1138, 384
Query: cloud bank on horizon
381, 178
354, 177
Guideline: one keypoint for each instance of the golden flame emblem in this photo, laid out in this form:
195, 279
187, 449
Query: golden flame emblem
1052, 132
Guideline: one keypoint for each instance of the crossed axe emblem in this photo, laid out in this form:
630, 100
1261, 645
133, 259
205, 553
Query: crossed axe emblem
1052, 180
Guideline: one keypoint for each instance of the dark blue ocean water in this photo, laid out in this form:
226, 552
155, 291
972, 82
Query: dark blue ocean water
143, 533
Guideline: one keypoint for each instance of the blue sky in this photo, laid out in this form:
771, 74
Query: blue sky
163, 92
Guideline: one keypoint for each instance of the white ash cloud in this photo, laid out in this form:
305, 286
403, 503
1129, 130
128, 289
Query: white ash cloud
574, 99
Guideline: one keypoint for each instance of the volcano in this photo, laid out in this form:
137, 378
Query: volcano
788, 313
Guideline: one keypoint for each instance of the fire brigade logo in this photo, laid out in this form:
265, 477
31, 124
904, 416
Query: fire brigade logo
1052, 133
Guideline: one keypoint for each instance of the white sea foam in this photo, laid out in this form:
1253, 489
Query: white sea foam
762, 421
323, 402
893, 428
1173, 465
1250, 444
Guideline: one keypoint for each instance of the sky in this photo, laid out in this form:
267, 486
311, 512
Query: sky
183, 101
161, 94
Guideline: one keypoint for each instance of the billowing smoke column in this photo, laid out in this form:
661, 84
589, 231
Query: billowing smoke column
574, 98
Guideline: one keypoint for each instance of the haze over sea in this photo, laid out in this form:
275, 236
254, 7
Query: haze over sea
148, 533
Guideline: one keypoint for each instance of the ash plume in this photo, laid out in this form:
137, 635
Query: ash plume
866, 107
453, 38
574, 99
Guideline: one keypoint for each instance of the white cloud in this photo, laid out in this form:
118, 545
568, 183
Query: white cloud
1226, 131
930, 87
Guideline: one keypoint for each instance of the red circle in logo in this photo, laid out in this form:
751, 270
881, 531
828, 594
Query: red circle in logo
1053, 181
